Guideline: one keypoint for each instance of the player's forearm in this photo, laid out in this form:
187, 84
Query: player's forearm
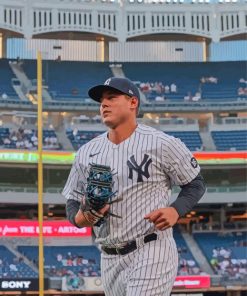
74, 214
189, 196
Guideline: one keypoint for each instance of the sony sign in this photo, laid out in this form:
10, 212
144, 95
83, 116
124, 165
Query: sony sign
21, 284
17, 284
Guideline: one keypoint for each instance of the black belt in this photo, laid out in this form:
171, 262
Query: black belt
129, 247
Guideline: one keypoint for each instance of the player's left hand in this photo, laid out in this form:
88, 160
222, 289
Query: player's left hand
163, 218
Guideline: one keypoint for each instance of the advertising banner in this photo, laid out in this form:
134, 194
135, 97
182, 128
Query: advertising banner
23, 284
79, 283
193, 281
50, 228
67, 158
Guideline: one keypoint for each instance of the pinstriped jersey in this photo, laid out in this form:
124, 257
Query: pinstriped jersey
145, 166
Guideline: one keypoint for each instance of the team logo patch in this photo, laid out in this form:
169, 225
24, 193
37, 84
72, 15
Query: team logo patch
194, 162
133, 166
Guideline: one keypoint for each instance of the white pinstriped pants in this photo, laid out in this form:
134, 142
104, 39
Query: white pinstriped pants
148, 271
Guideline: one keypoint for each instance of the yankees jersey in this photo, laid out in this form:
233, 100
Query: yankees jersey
144, 168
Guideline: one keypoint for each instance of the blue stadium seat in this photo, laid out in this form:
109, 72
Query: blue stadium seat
80, 76
227, 140
13, 267
63, 259
6, 76
235, 243
192, 139
69, 80
187, 75
81, 137
185, 256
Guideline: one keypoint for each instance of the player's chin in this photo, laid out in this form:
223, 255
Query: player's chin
109, 122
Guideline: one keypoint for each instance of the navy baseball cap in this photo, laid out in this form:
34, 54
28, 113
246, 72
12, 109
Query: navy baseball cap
120, 84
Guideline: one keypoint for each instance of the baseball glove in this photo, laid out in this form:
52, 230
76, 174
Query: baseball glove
97, 194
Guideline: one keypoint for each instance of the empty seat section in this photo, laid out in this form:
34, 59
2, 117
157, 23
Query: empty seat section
192, 139
230, 140
6, 76
80, 137
68, 80
14, 267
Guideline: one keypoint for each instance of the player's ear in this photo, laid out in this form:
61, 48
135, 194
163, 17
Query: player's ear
134, 102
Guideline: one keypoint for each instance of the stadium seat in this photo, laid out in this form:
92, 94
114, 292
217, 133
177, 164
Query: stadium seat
61, 260
69, 80
14, 267
230, 140
226, 252
187, 77
6, 76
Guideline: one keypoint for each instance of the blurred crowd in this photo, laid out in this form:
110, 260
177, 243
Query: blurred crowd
28, 139
187, 266
73, 264
224, 263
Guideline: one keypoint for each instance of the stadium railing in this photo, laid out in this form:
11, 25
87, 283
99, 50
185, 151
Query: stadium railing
28, 188
234, 104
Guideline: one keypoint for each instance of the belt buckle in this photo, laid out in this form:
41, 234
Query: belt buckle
118, 250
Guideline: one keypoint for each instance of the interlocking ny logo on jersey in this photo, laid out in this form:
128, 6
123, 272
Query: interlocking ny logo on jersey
133, 166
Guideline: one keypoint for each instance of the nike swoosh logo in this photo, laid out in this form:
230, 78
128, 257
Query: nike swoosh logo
93, 154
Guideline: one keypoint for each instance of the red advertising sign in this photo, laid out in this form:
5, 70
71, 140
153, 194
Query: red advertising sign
50, 228
193, 281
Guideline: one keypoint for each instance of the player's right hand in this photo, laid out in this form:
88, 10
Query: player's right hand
163, 218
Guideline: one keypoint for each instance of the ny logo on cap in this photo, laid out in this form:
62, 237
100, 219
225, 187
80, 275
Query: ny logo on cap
107, 82
130, 91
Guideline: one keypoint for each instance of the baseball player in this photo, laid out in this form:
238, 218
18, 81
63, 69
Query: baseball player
138, 253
